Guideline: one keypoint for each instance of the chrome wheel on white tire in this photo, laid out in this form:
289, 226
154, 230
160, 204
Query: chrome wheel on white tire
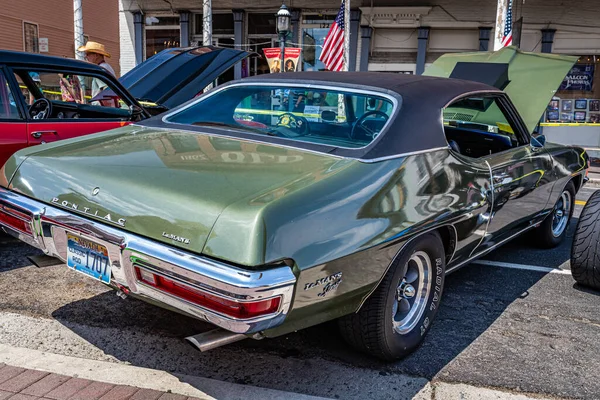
412, 293
561, 213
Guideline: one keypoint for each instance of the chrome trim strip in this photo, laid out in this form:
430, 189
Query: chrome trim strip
484, 252
466, 94
412, 153
51, 226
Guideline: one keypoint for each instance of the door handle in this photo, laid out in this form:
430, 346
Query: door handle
38, 134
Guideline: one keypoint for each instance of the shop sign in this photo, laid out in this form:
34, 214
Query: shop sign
580, 77
43, 45
273, 55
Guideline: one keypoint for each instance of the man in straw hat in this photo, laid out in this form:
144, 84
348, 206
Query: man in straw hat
95, 53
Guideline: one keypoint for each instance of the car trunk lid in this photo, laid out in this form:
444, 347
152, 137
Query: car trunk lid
170, 186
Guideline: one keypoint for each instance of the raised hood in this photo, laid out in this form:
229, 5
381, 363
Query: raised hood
172, 186
176, 75
530, 79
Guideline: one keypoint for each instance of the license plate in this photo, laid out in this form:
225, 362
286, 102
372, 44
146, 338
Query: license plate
88, 257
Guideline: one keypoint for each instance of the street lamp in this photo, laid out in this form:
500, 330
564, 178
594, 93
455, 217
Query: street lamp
283, 27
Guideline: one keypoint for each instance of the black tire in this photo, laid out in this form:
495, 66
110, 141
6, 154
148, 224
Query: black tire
544, 235
585, 251
371, 329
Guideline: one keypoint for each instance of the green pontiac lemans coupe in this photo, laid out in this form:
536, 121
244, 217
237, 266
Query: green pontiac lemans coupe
282, 201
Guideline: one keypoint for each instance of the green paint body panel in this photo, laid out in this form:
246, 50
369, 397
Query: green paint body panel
534, 77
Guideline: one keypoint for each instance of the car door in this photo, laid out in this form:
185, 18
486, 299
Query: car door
521, 184
74, 109
13, 126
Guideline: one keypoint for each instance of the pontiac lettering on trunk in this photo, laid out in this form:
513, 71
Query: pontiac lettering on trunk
89, 211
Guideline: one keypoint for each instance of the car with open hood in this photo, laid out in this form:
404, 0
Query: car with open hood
282, 201
45, 98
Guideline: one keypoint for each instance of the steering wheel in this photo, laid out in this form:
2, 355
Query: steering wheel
295, 125
366, 131
40, 109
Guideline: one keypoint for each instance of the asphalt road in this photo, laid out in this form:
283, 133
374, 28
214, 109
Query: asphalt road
498, 327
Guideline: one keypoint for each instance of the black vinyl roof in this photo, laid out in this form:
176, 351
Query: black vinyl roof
417, 125
23, 59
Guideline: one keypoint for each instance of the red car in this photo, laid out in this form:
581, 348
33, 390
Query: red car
44, 98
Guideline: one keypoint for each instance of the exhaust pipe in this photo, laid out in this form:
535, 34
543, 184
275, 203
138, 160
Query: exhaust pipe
212, 339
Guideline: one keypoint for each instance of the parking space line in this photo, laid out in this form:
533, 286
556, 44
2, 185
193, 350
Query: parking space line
580, 202
537, 268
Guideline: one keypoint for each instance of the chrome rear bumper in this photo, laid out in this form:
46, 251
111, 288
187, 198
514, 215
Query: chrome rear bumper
50, 226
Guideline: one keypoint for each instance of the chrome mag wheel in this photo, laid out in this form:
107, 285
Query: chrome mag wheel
561, 213
412, 293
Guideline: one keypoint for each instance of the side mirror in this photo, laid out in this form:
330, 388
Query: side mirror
328, 116
538, 141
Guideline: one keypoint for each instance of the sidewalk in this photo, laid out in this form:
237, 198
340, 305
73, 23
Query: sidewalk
27, 374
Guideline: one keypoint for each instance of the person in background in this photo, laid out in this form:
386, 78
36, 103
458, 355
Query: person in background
70, 88
96, 53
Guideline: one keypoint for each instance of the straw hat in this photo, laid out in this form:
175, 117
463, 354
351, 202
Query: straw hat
94, 47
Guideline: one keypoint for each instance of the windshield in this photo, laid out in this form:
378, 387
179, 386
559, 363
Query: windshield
306, 114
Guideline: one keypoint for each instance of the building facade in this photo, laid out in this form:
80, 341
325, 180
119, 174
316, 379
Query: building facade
47, 27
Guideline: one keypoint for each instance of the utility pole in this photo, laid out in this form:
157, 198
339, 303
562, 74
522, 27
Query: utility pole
206, 22
79, 39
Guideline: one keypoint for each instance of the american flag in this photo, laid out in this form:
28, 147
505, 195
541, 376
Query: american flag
332, 54
507, 34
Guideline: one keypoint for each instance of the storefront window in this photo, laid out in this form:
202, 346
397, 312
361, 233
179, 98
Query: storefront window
314, 30
578, 98
161, 33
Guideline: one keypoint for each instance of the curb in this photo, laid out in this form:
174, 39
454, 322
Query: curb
143, 378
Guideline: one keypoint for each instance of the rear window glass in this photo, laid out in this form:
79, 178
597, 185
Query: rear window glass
305, 114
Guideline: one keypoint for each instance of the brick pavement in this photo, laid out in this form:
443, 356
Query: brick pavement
28, 384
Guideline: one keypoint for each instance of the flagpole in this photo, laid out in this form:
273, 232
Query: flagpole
346, 35
499, 28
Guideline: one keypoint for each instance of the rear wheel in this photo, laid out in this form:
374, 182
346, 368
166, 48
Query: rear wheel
585, 251
395, 318
554, 228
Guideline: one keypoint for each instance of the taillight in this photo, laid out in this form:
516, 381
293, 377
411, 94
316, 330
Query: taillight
236, 309
14, 218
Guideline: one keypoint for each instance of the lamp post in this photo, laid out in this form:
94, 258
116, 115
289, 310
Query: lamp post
283, 27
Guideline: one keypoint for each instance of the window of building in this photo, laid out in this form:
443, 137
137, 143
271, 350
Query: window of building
30, 37
222, 24
578, 97
162, 32
262, 24
314, 31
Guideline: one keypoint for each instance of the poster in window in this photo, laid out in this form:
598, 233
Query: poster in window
581, 104
553, 115
553, 105
580, 116
567, 105
594, 118
566, 117
580, 77
594, 105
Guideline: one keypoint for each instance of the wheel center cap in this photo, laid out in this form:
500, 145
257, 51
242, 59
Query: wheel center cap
559, 213
409, 291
